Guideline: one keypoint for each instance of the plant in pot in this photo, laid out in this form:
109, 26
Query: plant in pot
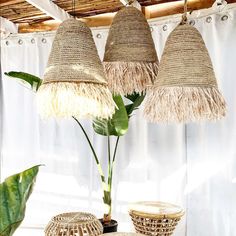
14, 193
114, 127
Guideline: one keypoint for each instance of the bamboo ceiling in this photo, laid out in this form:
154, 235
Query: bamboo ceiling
23, 13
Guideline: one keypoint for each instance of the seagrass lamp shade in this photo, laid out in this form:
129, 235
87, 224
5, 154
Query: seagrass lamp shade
130, 59
186, 88
74, 82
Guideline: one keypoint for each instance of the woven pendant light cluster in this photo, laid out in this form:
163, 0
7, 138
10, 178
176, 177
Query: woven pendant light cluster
130, 59
186, 88
74, 83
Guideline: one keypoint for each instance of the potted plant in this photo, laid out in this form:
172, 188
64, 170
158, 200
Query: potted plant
115, 127
14, 193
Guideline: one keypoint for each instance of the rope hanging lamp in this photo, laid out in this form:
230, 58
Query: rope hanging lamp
186, 88
130, 59
74, 82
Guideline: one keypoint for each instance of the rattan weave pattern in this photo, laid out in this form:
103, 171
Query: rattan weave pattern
130, 38
74, 56
130, 59
74, 82
186, 87
185, 60
155, 218
74, 224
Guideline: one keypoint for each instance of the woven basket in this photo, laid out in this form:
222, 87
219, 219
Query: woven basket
155, 218
74, 224
74, 82
130, 58
186, 88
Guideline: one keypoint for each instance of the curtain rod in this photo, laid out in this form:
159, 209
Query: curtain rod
197, 14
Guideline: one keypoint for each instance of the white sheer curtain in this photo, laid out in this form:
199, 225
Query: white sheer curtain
193, 166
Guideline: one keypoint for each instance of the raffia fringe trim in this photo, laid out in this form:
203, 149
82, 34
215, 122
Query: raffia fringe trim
82, 100
183, 104
128, 77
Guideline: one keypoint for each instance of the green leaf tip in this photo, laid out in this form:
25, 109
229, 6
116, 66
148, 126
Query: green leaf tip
14, 193
117, 125
31, 81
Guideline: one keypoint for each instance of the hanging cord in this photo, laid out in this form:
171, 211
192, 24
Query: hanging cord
184, 16
127, 3
73, 8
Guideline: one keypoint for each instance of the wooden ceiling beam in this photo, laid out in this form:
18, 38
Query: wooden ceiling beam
7, 26
159, 10
176, 7
4, 3
93, 21
50, 9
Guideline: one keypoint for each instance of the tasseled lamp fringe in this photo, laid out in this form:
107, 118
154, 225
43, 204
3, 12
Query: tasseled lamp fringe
128, 77
82, 100
184, 104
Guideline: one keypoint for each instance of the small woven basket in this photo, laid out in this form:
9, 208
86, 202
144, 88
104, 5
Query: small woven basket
155, 218
74, 224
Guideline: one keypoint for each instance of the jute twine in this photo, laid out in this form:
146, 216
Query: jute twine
130, 58
74, 224
130, 38
155, 218
74, 82
186, 88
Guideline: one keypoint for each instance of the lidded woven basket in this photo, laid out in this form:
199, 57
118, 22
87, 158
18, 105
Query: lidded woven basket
155, 218
74, 224
130, 59
74, 83
186, 88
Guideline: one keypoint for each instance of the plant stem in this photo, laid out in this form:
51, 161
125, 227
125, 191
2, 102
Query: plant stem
116, 146
114, 157
106, 186
109, 157
93, 151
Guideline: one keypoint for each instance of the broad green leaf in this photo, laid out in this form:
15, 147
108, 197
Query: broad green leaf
117, 125
14, 192
26, 79
132, 97
136, 102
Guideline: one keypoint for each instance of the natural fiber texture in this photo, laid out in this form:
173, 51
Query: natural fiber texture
128, 77
74, 82
82, 100
74, 57
155, 218
186, 88
130, 54
184, 104
74, 224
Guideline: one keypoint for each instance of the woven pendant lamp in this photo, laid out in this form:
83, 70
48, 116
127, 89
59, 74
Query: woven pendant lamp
186, 88
130, 59
74, 83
